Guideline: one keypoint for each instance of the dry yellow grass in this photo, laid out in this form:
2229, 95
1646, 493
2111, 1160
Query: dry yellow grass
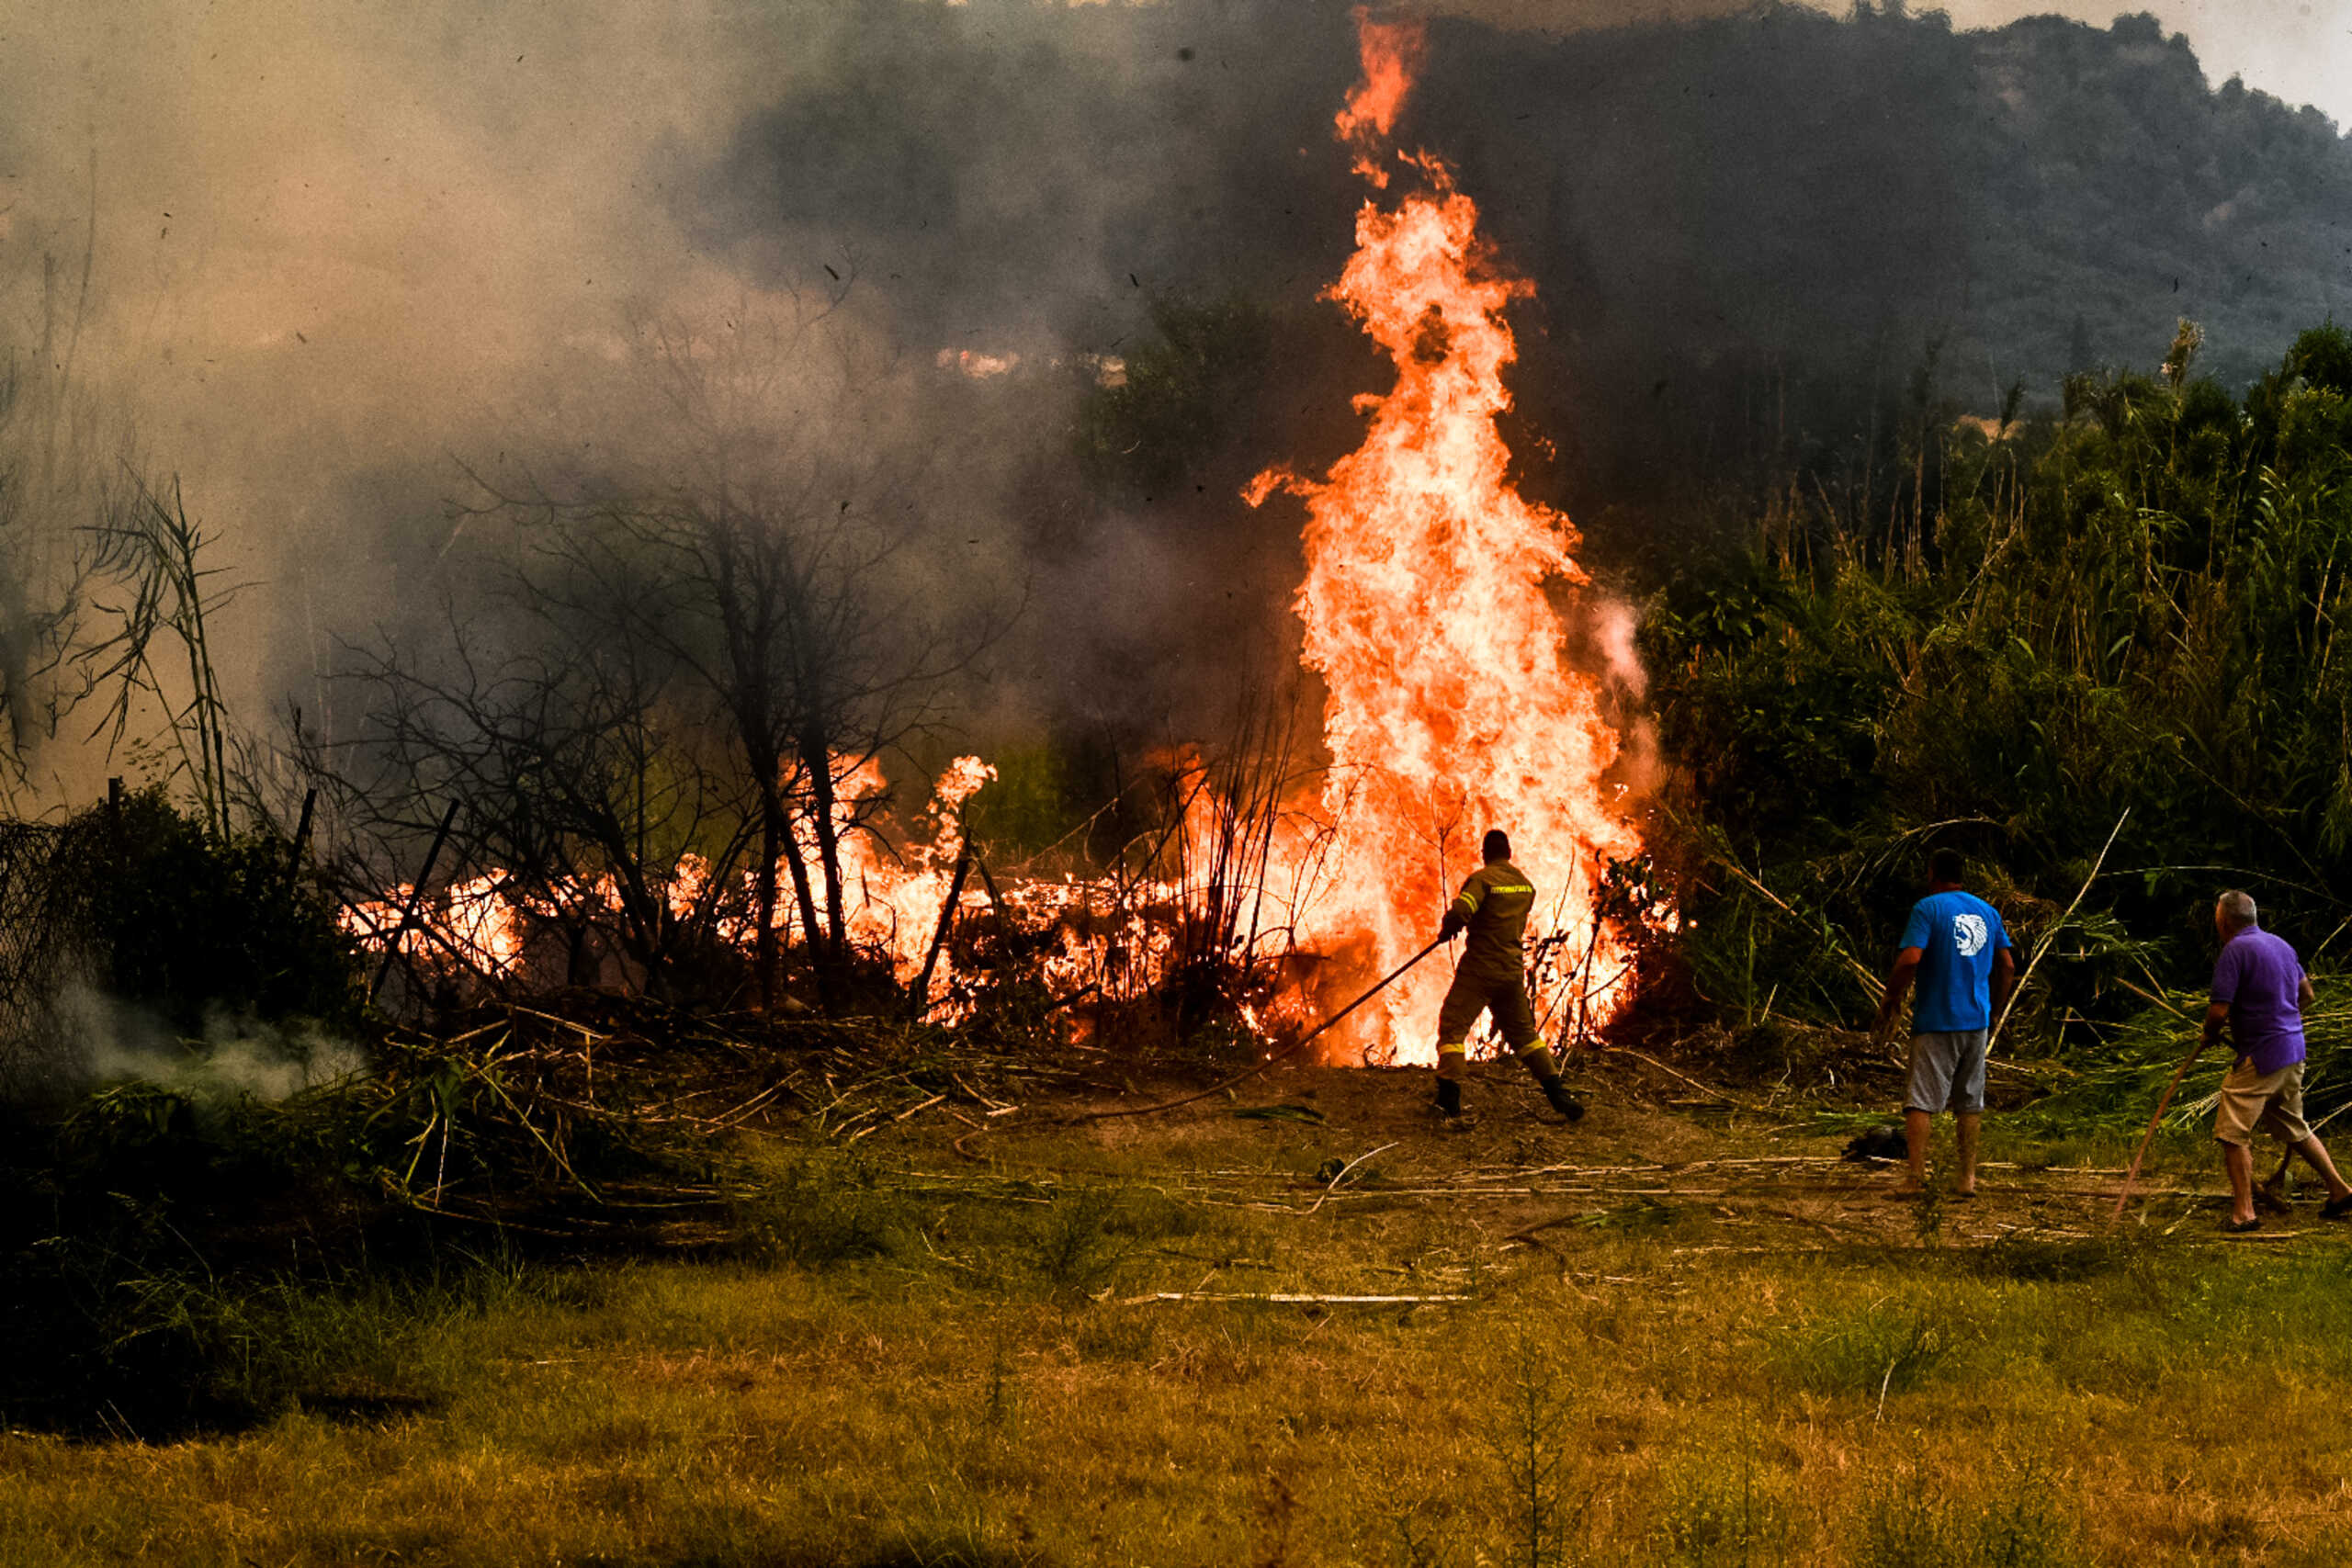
936, 1363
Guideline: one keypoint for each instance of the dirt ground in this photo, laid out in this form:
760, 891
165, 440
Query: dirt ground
1655, 1147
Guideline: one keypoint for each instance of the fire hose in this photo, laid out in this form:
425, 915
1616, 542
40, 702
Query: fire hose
1293, 1049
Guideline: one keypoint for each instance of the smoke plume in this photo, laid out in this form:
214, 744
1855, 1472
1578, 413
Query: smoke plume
335, 253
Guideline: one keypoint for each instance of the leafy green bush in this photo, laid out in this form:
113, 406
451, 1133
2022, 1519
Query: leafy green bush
1077, 1249
816, 1214
2131, 603
1176, 398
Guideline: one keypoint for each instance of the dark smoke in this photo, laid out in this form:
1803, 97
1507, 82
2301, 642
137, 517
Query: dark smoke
335, 258
1753, 236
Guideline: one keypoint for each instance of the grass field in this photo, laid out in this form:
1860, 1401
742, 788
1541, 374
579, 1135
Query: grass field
1670, 1334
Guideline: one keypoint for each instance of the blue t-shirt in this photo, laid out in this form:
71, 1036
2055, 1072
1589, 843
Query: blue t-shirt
1957, 934
2259, 979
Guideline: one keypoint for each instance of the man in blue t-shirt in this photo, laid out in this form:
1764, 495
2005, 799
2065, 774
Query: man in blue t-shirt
1957, 950
2260, 991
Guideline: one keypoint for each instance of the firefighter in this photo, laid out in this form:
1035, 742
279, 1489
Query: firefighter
1492, 976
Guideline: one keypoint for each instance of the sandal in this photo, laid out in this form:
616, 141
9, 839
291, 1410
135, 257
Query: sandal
2239, 1227
2337, 1208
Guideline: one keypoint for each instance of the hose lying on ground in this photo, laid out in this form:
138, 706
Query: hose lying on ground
1293, 1049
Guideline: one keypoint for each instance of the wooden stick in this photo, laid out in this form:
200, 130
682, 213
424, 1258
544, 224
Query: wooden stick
1286, 1299
303, 834
2178, 1073
416, 894
1873, 986
1014, 946
1333, 1185
1686, 1077
919, 999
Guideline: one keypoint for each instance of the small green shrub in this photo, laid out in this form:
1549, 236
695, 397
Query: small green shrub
1076, 1249
1717, 1508
1883, 1351
1526, 1430
814, 1216
2026, 1525
1147, 1213
1908, 1521
1912, 1519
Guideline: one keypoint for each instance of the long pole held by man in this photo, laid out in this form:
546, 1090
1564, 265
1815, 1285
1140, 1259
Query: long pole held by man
1492, 907
1956, 952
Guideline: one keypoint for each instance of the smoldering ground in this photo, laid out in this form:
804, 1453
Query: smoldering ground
334, 257
103, 1039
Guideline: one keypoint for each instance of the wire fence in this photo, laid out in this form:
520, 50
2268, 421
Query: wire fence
46, 887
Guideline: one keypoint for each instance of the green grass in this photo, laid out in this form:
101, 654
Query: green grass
960, 1372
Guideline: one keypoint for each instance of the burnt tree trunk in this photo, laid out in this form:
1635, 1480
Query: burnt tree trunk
817, 756
805, 895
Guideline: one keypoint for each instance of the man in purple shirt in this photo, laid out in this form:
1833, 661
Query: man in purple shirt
2260, 991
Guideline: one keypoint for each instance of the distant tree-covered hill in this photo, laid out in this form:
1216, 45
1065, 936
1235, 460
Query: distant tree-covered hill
1736, 225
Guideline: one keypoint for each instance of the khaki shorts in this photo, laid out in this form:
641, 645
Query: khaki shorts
1471, 995
2272, 1101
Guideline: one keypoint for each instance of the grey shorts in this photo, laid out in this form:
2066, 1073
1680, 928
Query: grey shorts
2272, 1101
1947, 1072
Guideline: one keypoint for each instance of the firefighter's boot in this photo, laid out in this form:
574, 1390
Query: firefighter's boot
1544, 1066
1567, 1104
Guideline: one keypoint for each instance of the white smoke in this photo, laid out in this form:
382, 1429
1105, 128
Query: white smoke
103, 1039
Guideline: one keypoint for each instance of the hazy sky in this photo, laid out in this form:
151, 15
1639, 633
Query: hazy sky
407, 204
2297, 50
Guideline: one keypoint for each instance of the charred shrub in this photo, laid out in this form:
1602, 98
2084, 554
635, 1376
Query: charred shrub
1760, 1050
185, 923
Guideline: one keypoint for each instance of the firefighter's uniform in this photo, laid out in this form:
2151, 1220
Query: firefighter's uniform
1495, 902
1493, 907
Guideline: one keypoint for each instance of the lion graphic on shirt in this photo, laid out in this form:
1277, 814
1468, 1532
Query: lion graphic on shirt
1969, 932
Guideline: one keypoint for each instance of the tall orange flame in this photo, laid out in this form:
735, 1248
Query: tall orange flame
1391, 53
1450, 707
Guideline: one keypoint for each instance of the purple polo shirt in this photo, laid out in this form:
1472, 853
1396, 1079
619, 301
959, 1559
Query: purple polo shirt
2260, 981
